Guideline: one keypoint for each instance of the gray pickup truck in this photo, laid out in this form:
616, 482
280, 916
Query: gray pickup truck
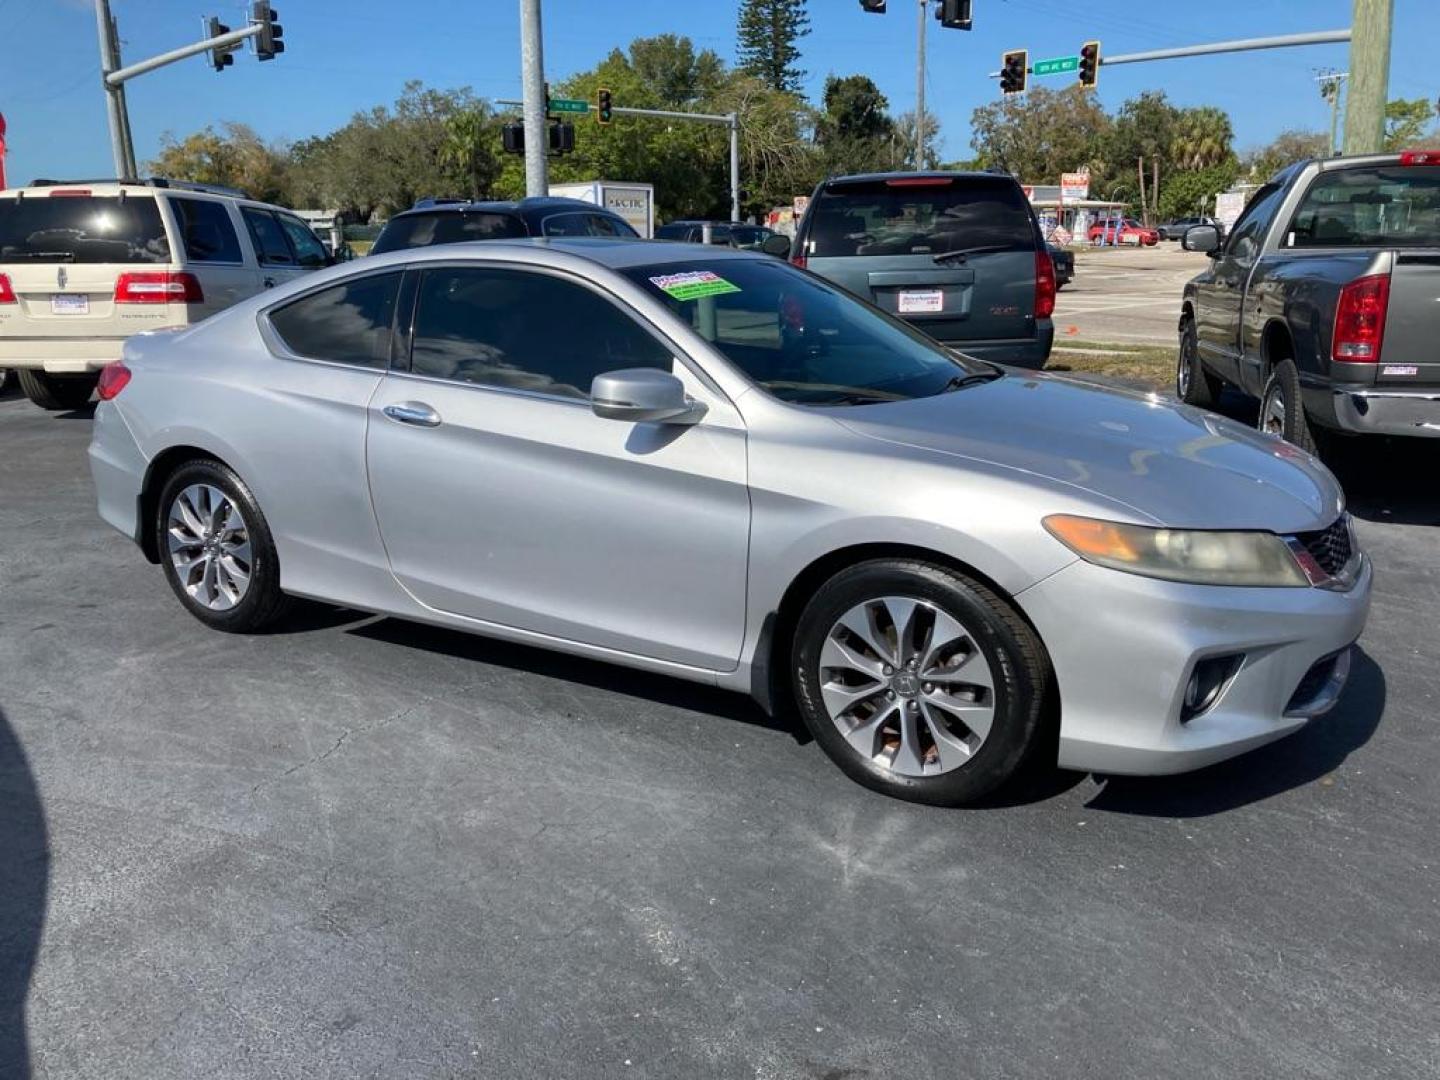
1324, 301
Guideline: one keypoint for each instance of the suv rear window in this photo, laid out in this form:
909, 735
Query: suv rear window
452, 227
82, 229
916, 216
1374, 206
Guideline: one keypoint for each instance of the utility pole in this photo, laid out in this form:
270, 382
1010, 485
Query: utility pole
120, 142
920, 89
1331, 85
1369, 76
532, 78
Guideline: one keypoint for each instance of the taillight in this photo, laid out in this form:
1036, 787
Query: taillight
798, 260
1360, 320
1420, 157
7, 294
114, 377
158, 287
69, 193
920, 181
1044, 285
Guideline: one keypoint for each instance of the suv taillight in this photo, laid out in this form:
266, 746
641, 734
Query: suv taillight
1420, 157
114, 377
1360, 320
158, 287
1044, 284
7, 294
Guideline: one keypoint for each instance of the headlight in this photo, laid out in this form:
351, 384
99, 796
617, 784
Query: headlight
1195, 556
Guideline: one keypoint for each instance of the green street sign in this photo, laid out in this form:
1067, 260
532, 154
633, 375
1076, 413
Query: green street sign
1058, 65
570, 105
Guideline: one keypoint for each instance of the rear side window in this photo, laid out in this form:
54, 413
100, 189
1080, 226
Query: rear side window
423, 230
309, 251
206, 231
82, 229
269, 239
672, 232
905, 216
347, 323
585, 225
1376, 206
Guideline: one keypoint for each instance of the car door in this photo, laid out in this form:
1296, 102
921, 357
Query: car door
210, 243
1219, 296
273, 253
309, 251
501, 497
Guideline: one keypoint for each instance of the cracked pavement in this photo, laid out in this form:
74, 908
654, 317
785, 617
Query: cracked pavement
363, 848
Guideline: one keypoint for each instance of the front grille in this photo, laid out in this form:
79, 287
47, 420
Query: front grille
1331, 547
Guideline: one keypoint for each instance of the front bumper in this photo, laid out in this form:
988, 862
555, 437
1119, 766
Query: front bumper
1124, 646
1374, 411
118, 468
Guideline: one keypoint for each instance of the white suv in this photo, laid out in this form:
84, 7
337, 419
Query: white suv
85, 264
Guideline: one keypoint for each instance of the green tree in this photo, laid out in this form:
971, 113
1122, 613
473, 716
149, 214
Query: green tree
1405, 121
233, 157
1041, 134
855, 133
1135, 154
768, 41
1261, 163
1185, 194
468, 152
1200, 138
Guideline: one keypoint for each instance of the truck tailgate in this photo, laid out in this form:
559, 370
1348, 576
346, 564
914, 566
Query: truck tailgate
1412, 323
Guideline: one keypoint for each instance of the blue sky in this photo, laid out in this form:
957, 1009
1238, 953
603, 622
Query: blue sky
346, 55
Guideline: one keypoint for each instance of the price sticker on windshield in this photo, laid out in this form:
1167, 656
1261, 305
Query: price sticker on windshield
694, 284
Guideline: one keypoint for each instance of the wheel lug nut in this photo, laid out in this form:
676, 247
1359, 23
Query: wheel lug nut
929, 688
889, 670
890, 695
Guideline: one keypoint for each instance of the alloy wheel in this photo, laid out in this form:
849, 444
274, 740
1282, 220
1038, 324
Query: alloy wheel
1182, 371
907, 686
1272, 412
209, 547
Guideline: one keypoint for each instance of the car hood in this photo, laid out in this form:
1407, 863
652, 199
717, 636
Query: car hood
1172, 464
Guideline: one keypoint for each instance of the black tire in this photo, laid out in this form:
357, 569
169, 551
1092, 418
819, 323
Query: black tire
262, 602
1016, 657
1282, 408
1193, 384
57, 392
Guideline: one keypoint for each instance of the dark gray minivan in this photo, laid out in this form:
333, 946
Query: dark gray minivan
958, 254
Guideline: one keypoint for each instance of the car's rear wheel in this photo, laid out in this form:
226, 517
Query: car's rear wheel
1282, 410
918, 681
1193, 384
217, 550
57, 392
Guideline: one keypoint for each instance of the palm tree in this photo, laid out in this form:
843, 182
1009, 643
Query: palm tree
1201, 138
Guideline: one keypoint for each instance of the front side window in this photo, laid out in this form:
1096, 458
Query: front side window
799, 338
1374, 206
206, 231
347, 323
309, 251
80, 228
271, 247
1245, 238
447, 227
920, 215
524, 331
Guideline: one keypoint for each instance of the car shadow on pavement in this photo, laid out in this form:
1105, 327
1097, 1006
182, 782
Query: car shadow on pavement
1309, 755
661, 689
24, 878
1390, 481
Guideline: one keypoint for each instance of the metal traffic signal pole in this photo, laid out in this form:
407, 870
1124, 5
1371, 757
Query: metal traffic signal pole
121, 144
532, 81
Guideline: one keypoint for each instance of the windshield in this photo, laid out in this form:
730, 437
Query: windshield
1389, 206
920, 215
801, 339
82, 229
446, 227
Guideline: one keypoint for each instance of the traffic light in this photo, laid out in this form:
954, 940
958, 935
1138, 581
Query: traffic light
954, 14
267, 43
875, 7
603, 112
220, 59
512, 137
562, 138
1089, 63
1013, 69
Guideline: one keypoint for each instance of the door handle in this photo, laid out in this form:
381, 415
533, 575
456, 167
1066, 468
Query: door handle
413, 412
269, 283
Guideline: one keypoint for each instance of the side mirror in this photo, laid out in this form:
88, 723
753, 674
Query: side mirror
643, 395
1204, 238
777, 245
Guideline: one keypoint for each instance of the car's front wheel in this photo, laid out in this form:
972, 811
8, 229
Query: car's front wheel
1193, 384
58, 393
216, 548
919, 681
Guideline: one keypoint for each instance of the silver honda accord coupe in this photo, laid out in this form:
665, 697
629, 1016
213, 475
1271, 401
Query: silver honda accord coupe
711, 464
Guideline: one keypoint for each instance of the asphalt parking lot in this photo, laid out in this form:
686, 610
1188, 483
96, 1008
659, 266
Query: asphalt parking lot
1126, 295
361, 848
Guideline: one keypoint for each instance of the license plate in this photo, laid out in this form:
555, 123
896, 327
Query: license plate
922, 300
69, 304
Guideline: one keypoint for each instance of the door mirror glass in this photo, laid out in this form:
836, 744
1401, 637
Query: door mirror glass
777, 245
1200, 238
643, 395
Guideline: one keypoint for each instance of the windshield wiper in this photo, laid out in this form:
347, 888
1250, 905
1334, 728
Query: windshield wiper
959, 256
974, 378
69, 256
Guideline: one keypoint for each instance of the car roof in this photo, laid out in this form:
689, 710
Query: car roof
615, 253
925, 174
141, 189
507, 206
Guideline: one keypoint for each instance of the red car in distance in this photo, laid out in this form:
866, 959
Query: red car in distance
1129, 230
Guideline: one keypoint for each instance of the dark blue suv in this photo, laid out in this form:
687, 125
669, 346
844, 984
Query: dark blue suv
446, 221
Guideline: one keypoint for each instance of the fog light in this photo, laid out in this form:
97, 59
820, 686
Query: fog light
1207, 682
